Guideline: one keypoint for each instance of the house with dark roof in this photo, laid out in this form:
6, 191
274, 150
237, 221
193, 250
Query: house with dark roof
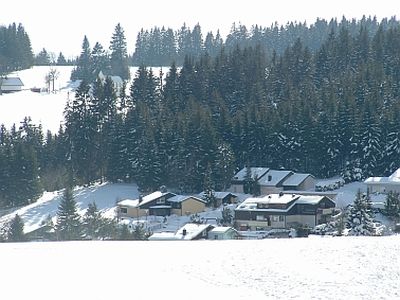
10, 84
160, 204
283, 211
273, 181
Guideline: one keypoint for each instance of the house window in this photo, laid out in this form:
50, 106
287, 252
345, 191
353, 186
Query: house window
281, 219
260, 218
160, 200
123, 210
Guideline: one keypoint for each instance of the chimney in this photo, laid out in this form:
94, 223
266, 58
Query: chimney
140, 198
280, 194
269, 177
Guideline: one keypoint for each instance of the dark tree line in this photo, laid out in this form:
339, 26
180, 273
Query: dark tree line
15, 49
162, 46
331, 111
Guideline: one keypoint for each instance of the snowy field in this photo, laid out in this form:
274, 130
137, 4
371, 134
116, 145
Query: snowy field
46, 109
309, 268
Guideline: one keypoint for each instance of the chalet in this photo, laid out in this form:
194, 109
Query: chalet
188, 232
280, 211
223, 233
384, 184
273, 181
10, 84
160, 204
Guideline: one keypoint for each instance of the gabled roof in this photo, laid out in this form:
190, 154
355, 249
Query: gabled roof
11, 81
255, 172
146, 199
274, 177
296, 179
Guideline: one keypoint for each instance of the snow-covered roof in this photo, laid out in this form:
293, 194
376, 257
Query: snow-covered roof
377, 180
221, 229
11, 81
255, 172
192, 231
307, 199
395, 176
274, 177
145, 199
150, 197
251, 203
296, 179
392, 179
181, 198
160, 236
129, 203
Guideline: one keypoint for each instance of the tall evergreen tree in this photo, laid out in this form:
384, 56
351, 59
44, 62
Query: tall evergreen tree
68, 225
119, 55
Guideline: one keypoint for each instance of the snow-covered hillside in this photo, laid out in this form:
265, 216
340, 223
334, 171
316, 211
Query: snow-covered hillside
44, 108
309, 268
104, 195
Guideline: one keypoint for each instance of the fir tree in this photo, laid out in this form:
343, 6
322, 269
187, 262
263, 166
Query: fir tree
119, 55
360, 216
92, 222
68, 225
392, 204
15, 230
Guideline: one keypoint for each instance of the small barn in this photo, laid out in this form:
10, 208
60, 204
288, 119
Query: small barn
11, 84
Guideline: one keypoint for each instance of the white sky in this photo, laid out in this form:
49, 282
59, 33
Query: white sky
61, 25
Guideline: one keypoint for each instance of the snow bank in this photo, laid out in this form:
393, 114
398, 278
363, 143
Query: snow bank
309, 268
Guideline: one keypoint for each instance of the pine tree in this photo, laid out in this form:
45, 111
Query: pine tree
68, 225
392, 204
360, 216
84, 68
15, 230
92, 222
119, 55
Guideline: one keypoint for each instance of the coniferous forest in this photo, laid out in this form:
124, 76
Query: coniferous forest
327, 104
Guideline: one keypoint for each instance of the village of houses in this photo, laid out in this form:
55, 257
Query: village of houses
287, 202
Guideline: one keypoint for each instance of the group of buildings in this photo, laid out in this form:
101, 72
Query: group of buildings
288, 200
